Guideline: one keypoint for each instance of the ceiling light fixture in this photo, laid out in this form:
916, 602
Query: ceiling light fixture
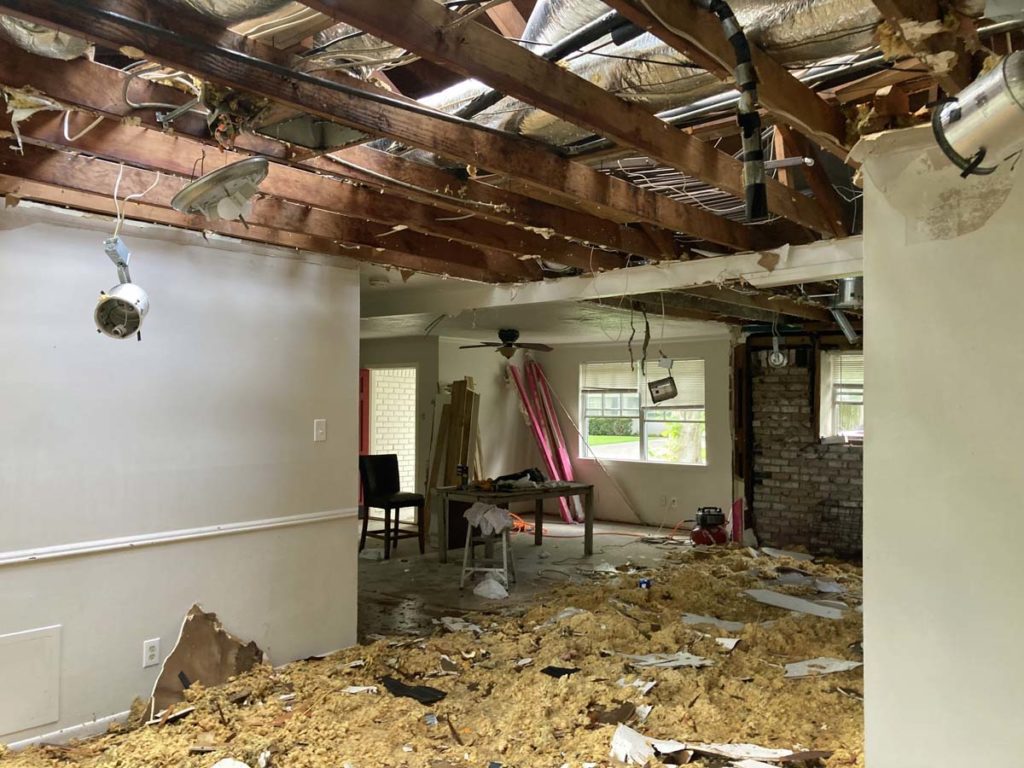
225, 193
121, 310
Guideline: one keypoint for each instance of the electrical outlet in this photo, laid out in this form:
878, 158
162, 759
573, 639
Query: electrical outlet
319, 430
151, 652
672, 503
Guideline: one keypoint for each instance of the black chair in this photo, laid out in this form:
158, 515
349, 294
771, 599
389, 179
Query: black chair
379, 475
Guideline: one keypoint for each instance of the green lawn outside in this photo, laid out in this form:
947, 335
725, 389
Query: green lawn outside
610, 439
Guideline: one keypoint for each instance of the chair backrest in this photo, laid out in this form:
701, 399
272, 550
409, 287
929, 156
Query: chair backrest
379, 475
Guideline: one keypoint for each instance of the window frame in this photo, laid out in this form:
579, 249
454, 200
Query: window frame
586, 452
829, 401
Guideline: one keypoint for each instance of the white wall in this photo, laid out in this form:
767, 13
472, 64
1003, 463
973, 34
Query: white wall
419, 352
645, 484
944, 609
207, 421
505, 441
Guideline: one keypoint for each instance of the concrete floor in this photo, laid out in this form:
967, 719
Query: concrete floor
405, 594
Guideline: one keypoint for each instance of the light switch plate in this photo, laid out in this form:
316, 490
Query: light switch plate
319, 430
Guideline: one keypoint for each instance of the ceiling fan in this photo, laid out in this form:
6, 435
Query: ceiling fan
509, 343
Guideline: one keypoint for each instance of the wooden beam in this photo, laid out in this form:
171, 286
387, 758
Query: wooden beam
186, 41
507, 18
690, 303
920, 24
432, 31
772, 303
145, 148
698, 34
417, 181
817, 179
99, 177
93, 87
21, 189
627, 304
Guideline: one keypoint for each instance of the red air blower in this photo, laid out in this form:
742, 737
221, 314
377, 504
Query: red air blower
710, 527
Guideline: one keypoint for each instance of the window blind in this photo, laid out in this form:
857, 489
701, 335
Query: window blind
600, 377
848, 368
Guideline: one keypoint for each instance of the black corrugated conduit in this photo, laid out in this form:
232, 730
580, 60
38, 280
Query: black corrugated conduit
749, 120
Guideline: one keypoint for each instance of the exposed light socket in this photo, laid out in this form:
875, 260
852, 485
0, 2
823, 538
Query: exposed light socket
319, 430
151, 652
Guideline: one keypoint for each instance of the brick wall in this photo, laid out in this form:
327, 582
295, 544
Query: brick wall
804, 492
393, 418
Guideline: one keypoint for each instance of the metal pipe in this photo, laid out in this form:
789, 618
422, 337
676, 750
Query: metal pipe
621, 29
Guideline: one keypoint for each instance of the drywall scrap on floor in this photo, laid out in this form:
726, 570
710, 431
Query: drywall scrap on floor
491, 701
205, 653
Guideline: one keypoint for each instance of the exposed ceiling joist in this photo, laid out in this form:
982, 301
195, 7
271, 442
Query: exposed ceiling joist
145, 148
507, 19
93, 176
629, 304
14, 189
777, 305
89, 86
665, 301
698, 34
817, 178
187, 42
433, 32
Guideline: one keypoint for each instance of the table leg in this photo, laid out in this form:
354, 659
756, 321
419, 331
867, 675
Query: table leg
588, 523
538, 522
441, 512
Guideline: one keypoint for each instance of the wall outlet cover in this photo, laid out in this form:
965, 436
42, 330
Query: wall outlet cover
151, 652
319, 430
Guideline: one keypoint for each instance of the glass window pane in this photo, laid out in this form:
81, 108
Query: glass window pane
593, 403
612, 404
614, 438
676, 442
630, 405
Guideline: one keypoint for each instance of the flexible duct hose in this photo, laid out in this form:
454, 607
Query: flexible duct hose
747, 115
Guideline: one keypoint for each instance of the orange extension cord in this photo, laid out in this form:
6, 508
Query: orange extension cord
519, 525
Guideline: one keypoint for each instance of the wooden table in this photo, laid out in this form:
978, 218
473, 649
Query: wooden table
504, 498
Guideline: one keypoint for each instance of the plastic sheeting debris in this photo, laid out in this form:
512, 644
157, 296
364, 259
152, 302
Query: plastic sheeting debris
490, 588
488, 518
819, 666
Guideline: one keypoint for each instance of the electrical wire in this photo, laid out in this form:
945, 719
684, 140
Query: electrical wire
82, 132
119, 204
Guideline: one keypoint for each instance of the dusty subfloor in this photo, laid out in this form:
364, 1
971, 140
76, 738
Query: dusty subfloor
500, 708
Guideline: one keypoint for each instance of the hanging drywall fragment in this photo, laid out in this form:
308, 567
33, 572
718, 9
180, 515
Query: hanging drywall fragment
819, 666
790, 603
205, 653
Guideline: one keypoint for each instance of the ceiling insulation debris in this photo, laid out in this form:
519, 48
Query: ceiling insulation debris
44, 41
232, 11
498, 710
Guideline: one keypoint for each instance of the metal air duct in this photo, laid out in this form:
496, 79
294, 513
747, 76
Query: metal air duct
984, 124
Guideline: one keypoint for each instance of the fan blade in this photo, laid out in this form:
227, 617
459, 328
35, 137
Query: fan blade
538, 347
481, 346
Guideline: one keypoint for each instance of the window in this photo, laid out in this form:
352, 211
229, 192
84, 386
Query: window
620, 421
842, 395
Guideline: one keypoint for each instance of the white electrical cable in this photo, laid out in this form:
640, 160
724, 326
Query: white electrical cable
81, 133
118, 206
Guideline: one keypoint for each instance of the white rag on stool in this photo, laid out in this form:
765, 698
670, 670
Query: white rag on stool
488, 518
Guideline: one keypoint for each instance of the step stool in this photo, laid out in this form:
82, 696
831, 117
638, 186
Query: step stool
504, 566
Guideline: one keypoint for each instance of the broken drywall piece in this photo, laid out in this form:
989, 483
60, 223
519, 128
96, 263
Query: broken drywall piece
455, 624
562, 615
752, 764
819, 666
773, 552
490, 588
205, 653
790, 603
827, 586
729, 643
230, 762
360, 689
741, 751
633, 748
668, 660
728, 626
644, 686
